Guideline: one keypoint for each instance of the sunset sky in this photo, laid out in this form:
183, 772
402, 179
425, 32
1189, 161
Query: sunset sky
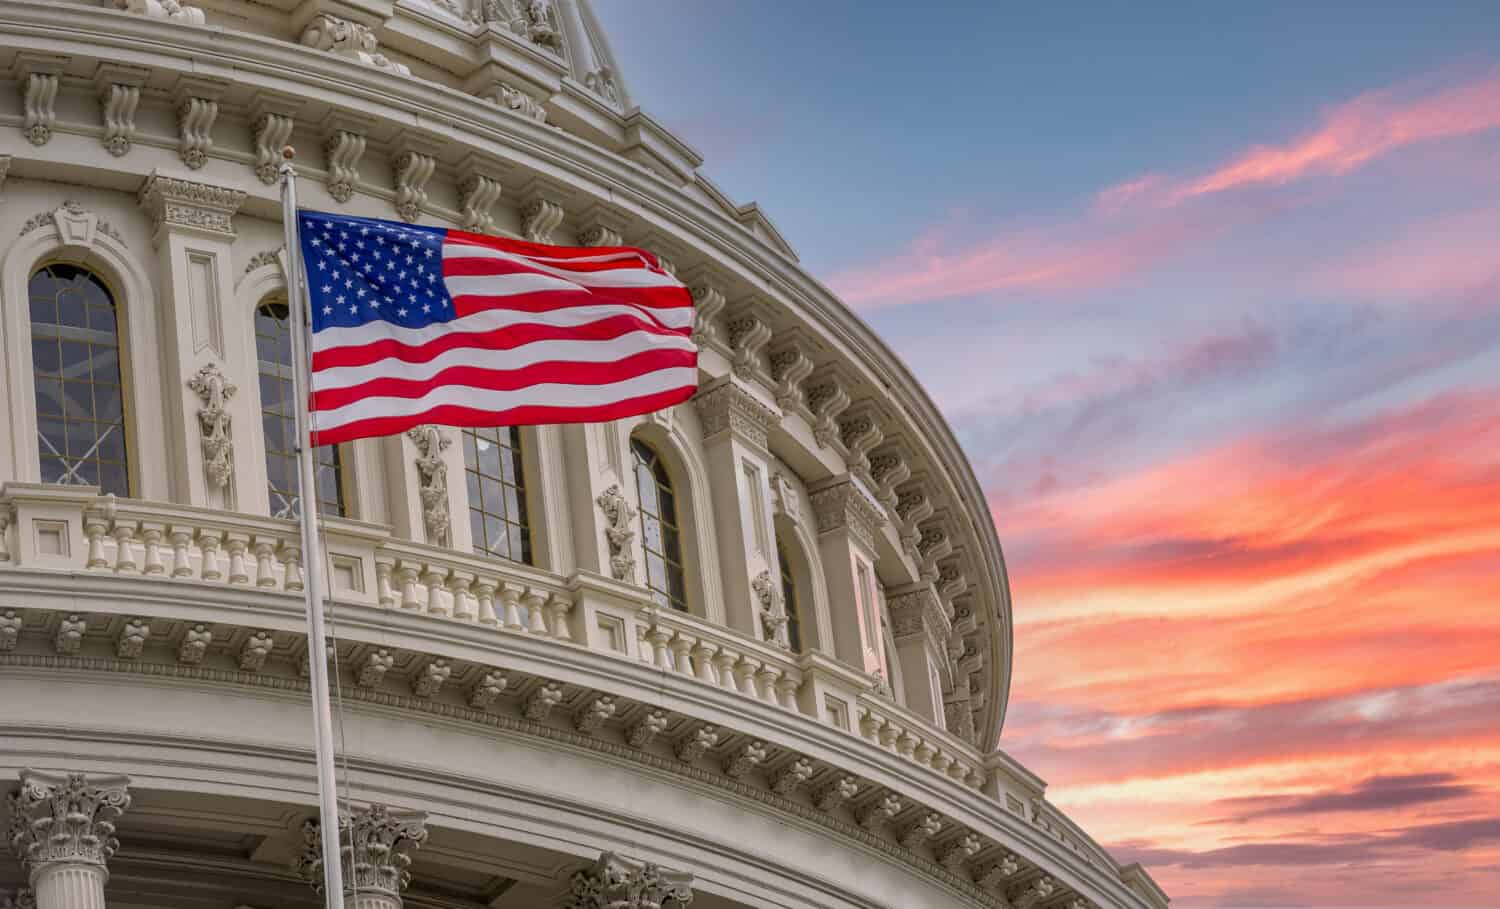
1211, 295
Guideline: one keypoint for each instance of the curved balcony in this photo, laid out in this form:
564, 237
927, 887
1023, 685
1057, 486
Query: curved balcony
99, 584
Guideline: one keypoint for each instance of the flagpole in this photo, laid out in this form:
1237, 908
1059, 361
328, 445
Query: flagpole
312, 550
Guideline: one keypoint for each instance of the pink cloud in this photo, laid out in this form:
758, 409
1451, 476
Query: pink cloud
1351, 135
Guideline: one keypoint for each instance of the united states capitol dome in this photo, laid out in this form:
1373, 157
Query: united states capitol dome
751, 651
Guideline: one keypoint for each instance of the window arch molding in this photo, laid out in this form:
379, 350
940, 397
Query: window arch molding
86, 246
265, 282
684, 462
801, 550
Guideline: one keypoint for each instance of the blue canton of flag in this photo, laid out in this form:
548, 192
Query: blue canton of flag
362, 270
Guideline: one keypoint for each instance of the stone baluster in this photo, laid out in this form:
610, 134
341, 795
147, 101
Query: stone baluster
291, 561
536, 623
724, 661
237, 543
265, 566
744, 676
682, 645
766, 678
208, 544
406, 574
510, 596
432, 579
385, 594
661, 655
151, 536
484, 593
94, 527
786, 690
63, 831
558, 607
124, 534
182, 560
888, 735
459, 584
703, 652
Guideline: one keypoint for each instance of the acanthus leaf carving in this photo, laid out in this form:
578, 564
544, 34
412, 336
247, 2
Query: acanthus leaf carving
66, 817
375, 852
708, 302
827, 400
748, 335
616, 883
215, 390
432, 476
789, 367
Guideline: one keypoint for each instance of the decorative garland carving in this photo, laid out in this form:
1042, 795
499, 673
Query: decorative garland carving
349, 39
70, 208
619, 532
215, 390
432, 475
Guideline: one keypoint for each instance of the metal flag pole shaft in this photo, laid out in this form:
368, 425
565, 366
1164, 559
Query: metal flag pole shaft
312, 550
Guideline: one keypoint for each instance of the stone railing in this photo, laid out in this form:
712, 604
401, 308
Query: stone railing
73, 528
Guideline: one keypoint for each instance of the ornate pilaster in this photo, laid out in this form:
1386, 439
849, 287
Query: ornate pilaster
728, 406
375, 843
62, 829
845, 504
171, 202
619, 883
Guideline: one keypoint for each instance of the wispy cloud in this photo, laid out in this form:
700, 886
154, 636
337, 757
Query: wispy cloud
1139, 223
1377, 794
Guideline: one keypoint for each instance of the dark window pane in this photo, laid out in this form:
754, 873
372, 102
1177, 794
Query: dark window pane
496, 490
45, 357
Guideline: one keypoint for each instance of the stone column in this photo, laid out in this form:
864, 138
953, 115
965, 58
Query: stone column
614, 882
848, 518
62, 829
375, 842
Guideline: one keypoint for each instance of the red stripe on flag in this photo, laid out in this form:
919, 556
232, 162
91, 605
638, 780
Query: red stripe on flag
561, 372
452, 415
508, 338
549, 300
544, 251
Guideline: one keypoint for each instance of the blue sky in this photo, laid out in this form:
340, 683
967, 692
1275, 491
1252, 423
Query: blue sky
1211, 295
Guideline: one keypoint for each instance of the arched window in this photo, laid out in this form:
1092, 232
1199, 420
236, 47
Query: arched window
278, 418
497, 493
659, 529
80, 397
789, 598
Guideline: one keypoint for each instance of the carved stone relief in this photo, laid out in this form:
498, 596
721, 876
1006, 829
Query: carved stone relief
619, 532
376, 856
432, 474
349, 39
214, 390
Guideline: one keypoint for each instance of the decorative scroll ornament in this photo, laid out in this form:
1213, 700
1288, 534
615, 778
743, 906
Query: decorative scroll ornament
619, 532
119, 102
772, 609
432, 471
213, 418
413, 170
39, 107
374, 843
617, 883
195, 127
171, 10
271, 131
66, 818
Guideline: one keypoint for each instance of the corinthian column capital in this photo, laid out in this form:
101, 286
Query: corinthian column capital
66, 818
619, 883
375, 843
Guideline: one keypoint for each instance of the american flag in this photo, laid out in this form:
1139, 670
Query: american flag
415, 324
